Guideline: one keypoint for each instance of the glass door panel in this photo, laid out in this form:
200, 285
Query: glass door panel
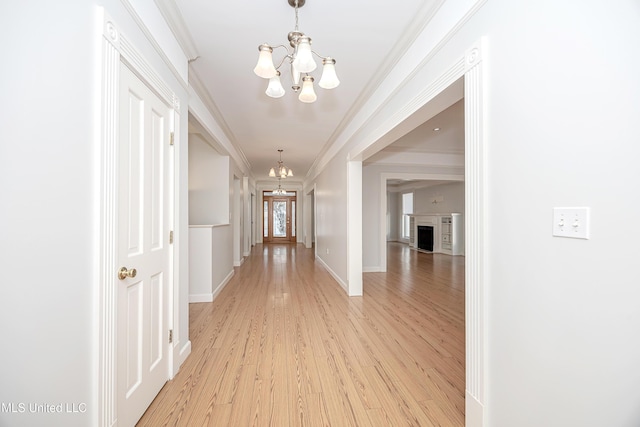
279, 218
265, 224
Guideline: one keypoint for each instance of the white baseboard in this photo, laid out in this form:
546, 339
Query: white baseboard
221, 286
333, 274
200, 298
371, 269
212, 296
179, 356
185, 351
474, 412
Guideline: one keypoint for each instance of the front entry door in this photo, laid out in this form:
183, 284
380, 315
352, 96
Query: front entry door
143, 248
279, 219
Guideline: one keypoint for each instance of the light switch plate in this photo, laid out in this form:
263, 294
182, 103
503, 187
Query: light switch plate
571, 222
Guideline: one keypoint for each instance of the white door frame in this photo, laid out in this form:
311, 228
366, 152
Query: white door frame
116, 48
470, 66
309, 225
236, 207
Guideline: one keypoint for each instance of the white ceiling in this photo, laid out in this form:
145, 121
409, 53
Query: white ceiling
442, 134
366, 37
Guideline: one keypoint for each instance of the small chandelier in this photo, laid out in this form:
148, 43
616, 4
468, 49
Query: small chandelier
279, 191
281, 171
301, 64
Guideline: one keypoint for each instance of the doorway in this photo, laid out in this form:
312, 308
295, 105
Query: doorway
468, 70
136, 287
279, 217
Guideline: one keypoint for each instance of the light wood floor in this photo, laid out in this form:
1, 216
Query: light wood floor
283, 345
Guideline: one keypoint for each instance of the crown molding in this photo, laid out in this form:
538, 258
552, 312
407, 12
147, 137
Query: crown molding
334, 145
396, 149
418, 185
413, 31
233, 148
154, 43
173, 16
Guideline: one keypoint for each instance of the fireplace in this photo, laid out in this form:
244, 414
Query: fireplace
425, 238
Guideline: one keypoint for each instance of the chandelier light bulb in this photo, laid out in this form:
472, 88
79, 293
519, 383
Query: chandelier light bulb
275, 89
303, 61
265, 68
329, 79
307, 94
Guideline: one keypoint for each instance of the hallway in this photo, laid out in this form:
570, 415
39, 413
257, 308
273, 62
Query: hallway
283, 345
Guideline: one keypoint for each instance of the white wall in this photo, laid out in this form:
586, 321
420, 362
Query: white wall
47, 215
208, 183
331, 220
210, 262
49, 192
449, 197
563, 91
561, 95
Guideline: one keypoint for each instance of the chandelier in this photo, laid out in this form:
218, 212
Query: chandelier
281, 171
301, 62
279, 191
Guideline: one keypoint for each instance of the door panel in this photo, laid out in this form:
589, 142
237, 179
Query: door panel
156, 332
133, 337
279, 219
143, 231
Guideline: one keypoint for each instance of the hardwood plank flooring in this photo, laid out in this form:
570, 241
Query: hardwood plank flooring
283, 345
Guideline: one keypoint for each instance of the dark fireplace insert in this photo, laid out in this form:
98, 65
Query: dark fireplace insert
425, 238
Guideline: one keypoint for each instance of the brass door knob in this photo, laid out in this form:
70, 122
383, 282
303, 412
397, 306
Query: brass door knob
124, 273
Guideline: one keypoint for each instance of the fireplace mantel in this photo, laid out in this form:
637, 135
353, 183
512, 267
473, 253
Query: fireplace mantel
448, 231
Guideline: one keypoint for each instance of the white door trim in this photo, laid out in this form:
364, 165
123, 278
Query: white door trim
354, 228
476, 232
470, 66
115, 48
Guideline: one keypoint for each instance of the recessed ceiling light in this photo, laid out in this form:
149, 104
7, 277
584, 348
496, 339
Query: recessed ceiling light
436, 129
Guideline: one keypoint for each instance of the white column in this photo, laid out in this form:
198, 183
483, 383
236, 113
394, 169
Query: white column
354, 228
108, 216
307, 221
476, 247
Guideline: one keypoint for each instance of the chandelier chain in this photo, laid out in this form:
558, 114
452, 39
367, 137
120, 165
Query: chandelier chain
296, 8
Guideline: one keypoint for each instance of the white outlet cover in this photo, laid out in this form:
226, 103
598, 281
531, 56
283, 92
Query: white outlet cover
571, 222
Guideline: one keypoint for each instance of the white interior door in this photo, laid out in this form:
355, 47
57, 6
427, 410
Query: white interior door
143, 247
